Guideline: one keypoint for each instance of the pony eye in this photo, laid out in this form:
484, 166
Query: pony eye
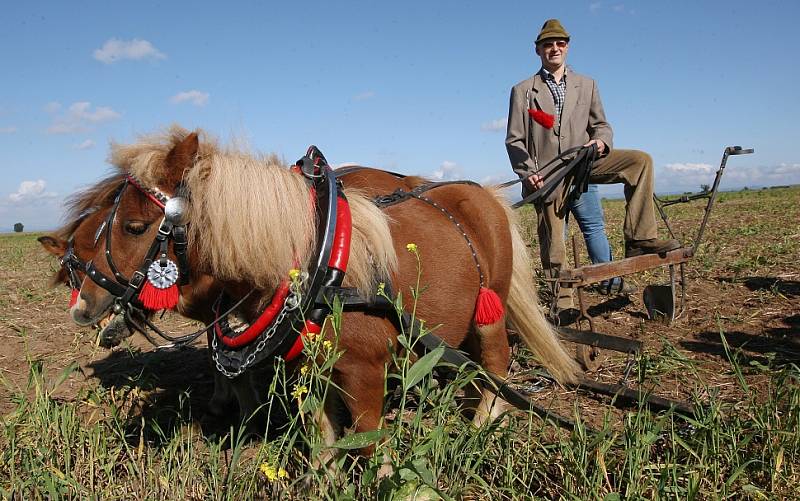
136, 227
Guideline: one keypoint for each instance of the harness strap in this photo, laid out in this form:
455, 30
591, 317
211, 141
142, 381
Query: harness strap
430, 342
69, 261
400, 195
180, 244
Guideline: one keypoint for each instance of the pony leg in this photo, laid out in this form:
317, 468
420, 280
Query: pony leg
362, 391
222, 401
494, 354
330, 430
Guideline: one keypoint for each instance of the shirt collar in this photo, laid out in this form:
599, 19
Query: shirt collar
546, 75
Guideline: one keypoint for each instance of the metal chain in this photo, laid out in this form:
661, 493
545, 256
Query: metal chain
291, 303
458, 225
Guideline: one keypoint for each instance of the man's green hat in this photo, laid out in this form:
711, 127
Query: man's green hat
552, 29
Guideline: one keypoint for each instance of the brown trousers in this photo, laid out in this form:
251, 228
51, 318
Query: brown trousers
633, 168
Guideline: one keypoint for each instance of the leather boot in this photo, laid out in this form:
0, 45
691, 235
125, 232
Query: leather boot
652, 246
564, 299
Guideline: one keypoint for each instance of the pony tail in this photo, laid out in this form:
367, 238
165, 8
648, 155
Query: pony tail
526, 316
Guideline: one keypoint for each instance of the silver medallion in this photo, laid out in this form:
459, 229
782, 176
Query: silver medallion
176, 210
162, 277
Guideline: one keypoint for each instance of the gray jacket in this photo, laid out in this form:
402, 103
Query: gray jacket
530, 146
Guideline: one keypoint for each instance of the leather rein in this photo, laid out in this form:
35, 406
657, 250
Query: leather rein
577, 161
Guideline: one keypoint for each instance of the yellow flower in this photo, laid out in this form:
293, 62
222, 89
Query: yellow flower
299, 391
273, 473
294, 273
269, 471
303, 370
327, 344
381, 288
412, 247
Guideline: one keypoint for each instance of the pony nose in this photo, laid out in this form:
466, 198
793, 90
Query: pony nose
87, 309
80, 313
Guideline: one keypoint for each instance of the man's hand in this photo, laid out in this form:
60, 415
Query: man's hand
536, 181
601, 146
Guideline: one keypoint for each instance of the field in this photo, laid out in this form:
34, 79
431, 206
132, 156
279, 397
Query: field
79, 421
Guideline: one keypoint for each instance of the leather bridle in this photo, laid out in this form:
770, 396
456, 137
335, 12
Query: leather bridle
172, 227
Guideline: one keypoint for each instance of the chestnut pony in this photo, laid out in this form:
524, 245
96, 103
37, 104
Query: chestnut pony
76, 243
251, 222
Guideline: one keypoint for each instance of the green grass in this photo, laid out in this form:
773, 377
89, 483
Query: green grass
98, 446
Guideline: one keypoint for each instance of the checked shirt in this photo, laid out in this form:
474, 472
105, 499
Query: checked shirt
558, 90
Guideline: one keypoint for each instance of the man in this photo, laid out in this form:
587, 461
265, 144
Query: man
574, 112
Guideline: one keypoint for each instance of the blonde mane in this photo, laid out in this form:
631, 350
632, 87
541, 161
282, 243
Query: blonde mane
252, 219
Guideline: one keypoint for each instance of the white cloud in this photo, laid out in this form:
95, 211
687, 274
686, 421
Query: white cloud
195, 97
364, 96
494, 179
595, 6
8, 130
494, 126
79, 116
52, 107
116, 50
30, 191
85, 145
448, 171
787, 169
681, 168
677, 178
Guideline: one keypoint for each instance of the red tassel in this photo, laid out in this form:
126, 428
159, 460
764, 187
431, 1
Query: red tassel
74, 297
546, 120
156, 299
488, 308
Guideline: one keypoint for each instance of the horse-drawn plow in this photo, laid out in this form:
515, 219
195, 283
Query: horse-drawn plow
664, 303
298, 307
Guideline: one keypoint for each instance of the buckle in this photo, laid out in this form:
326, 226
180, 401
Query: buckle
165, 228
137, 279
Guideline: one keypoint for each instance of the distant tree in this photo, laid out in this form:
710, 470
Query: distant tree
18, 227
705, 188
745, 189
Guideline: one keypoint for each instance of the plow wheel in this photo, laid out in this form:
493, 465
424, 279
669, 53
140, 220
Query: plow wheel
590, 357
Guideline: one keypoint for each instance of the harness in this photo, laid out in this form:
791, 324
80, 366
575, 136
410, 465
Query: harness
400, 195
299, 306
70, 262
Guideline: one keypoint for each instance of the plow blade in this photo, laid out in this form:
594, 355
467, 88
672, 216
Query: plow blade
660, 302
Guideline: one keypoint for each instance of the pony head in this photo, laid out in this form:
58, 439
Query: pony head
134, 219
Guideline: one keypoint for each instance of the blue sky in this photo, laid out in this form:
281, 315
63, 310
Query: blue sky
417, 87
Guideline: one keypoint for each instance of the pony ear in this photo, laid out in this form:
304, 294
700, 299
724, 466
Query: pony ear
54, 246
181, 158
